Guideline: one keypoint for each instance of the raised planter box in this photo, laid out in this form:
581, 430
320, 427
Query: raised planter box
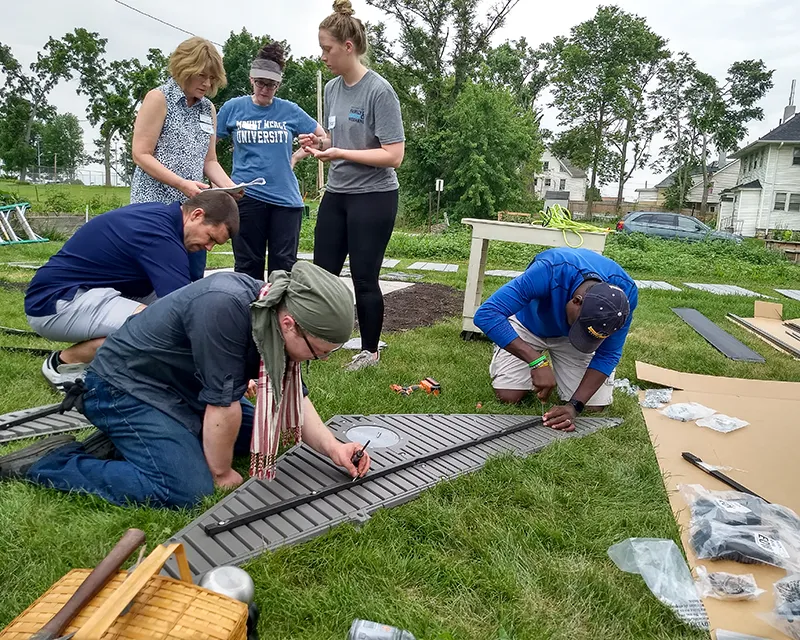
790, 248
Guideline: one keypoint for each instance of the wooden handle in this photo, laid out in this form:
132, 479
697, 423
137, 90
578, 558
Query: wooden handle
106, 615
95, 581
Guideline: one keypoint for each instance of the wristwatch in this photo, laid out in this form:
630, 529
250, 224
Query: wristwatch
577, 404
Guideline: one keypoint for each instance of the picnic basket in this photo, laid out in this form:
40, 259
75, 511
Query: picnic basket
162, 607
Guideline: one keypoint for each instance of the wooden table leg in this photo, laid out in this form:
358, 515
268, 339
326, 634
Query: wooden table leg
474, 292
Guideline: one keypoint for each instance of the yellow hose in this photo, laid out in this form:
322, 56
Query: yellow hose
557, 217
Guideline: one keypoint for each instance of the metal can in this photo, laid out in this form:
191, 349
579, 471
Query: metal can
368, 630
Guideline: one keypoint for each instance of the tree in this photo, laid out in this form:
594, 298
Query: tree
487, 142
600, 75
720, 113
441, 48
61, 140
114, 89
32, 87
518, 67
15, 153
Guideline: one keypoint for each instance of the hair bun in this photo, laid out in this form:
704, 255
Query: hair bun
343, 7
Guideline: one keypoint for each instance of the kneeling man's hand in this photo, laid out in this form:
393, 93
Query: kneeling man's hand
228, 480
543, 382
561, 417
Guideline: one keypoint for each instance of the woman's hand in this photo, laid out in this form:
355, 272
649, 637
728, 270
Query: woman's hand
326, 156
191, 187
309, 140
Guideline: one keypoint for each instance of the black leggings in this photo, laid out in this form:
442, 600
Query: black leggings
260, 224
359, 224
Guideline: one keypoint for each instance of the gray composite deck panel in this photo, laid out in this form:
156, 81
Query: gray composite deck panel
720, 339
48, 425
725, 289
794, 294
656, 284
302, 471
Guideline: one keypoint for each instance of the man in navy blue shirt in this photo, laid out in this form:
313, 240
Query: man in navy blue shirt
574, 304
114, 266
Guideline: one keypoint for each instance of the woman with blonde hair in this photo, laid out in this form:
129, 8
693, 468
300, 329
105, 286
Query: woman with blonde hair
174, 144
364, 143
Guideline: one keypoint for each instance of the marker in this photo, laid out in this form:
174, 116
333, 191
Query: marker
357, 458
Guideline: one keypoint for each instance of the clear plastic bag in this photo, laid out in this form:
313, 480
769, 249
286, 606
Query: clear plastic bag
786, 615
736, 508
665, 573
687, 411
656, 398
724, 634
626, 387
722, 423
750, 544
726, 586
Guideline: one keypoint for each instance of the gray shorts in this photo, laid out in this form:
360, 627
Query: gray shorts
92, 313
569, 366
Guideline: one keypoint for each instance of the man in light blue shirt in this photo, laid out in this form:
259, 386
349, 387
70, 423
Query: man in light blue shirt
576, 305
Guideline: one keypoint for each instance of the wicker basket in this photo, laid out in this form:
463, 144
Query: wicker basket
160, 608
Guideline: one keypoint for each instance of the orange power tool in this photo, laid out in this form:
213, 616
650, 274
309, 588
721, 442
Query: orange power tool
429, 385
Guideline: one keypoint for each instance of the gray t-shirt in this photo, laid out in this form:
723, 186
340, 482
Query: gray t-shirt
187, 350
364, 116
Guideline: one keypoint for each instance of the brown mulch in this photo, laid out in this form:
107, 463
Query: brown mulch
420, 305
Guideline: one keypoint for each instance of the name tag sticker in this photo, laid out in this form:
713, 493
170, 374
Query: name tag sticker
206, 127
331, 122
205, 118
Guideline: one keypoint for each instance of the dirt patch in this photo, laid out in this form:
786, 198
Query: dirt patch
420, 306
8, 285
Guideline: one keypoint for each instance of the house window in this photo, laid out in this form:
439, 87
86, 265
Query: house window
796, 156
713, 208
562, 184
545, 166
780, 202
794, 202
547, 182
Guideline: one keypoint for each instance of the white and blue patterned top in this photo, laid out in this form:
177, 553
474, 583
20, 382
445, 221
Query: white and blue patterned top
182, 146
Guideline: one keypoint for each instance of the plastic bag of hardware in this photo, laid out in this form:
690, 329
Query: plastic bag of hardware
726, 586
626, 387
786, 615
736, 508
656, 398
665, 573
750, 544
687, 411
724, 634
722, 423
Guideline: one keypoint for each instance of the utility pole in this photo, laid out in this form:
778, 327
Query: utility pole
320, 174
55, 165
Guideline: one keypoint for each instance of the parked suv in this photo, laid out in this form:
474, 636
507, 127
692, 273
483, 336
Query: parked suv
671, 225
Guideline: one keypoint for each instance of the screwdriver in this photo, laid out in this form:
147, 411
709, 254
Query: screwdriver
357, 458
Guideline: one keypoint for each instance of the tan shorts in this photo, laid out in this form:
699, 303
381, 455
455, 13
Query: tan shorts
569, 366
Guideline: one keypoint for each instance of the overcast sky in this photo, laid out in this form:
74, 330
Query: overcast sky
714, 32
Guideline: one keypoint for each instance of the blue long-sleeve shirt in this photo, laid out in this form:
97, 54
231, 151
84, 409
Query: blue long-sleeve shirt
540, 295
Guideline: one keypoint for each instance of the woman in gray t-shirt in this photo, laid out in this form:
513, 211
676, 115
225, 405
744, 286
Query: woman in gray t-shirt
174, 141
364, 143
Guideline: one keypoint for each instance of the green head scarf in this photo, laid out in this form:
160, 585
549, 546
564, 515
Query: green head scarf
317, 300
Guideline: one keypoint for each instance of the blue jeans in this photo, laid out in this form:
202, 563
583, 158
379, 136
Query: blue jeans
163, 461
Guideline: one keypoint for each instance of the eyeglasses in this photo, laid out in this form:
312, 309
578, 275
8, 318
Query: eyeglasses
308, 344
266, 84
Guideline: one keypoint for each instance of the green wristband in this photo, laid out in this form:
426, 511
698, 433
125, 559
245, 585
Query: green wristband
537, 362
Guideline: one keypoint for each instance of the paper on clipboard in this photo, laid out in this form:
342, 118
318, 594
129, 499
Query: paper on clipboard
240, 186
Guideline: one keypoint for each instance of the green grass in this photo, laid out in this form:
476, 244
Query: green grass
65, 198
517, 550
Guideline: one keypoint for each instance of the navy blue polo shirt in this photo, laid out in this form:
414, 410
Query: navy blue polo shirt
136, 250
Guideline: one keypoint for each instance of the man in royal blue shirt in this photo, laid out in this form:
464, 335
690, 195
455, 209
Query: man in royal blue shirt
577, 306
114, 266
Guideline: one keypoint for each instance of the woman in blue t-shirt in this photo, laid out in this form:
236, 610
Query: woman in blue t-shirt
262, 128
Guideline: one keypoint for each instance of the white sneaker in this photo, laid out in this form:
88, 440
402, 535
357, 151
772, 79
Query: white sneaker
57, 374
362, 360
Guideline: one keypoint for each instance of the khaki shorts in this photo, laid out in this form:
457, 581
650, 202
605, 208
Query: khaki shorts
569, 366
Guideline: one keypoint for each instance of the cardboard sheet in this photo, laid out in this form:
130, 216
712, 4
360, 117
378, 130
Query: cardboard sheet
768, 318
766, 452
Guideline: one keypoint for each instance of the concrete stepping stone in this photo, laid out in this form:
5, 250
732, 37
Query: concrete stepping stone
501, 273
794, 294
434, 266
655, 284
725, 290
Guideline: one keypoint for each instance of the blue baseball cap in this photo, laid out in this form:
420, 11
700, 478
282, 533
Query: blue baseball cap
605, 310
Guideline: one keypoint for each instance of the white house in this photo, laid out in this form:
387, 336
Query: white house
723, 174
559, 175
767, 193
